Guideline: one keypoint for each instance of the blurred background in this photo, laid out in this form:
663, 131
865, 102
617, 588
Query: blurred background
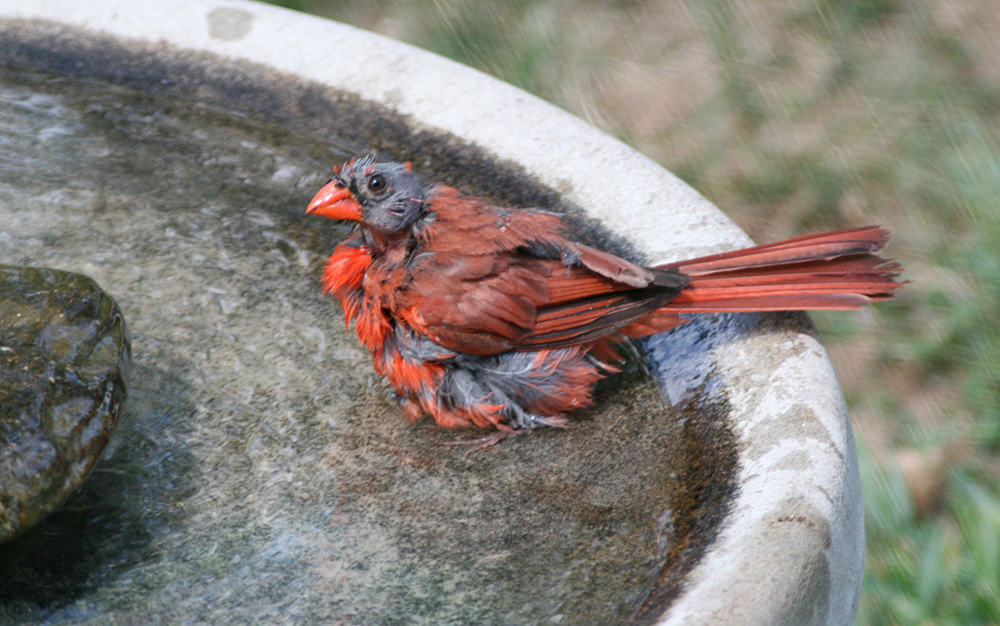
805, 115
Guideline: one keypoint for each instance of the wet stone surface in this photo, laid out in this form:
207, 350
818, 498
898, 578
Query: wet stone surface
64, 355
261, 470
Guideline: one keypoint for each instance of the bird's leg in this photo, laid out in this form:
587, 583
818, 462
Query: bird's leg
411, 410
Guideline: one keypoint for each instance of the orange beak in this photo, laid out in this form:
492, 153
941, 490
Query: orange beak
335, 202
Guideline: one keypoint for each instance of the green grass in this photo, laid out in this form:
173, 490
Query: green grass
940, 570
802, 116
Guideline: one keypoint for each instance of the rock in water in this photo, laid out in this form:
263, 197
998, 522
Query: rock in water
64, 355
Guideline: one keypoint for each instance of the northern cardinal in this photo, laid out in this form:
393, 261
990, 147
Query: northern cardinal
486, 316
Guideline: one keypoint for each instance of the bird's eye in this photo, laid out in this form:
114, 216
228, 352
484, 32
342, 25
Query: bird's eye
376, 183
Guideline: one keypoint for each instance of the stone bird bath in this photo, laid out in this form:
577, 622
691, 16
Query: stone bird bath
261, 471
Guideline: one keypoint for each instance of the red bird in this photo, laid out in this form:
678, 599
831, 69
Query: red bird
491, 317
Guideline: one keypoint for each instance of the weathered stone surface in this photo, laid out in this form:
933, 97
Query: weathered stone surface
64, 354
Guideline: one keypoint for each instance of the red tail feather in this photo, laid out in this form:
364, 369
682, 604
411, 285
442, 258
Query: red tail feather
835, 270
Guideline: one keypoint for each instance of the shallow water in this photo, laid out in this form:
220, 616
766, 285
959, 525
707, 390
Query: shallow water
262, 469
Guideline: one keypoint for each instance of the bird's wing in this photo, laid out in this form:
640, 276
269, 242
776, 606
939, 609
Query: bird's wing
486, 280
487, 304
464, 223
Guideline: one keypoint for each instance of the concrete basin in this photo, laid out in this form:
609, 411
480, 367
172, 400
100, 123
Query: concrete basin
264, 473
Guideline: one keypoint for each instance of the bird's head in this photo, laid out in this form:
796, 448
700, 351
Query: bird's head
386, 197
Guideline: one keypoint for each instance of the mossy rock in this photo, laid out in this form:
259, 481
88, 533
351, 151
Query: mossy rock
64, 355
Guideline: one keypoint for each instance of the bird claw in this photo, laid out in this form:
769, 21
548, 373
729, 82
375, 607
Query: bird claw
486, 442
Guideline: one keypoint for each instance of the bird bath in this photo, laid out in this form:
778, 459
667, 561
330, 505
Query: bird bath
261, 468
